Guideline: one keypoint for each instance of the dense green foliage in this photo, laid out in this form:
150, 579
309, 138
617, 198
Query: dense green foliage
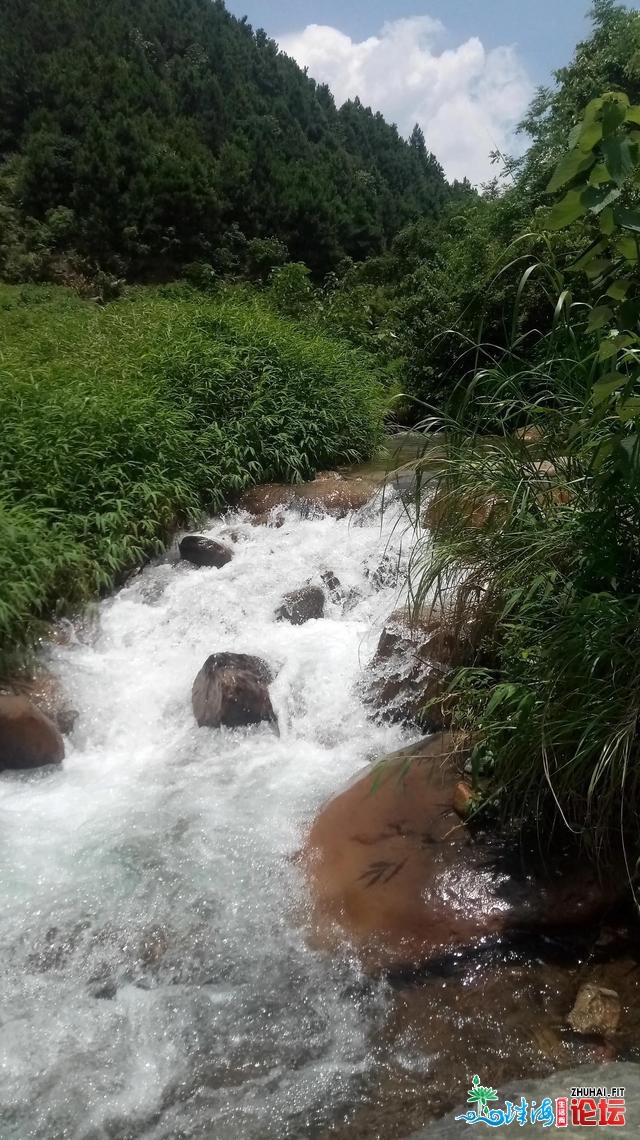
141, 136
119, 421
539, 538
444, 299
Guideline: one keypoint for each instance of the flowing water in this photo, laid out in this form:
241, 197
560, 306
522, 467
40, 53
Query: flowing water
155, 981
155, 978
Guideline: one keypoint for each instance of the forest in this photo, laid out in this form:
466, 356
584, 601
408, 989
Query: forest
204, 256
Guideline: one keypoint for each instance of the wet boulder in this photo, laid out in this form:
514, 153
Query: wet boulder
395, 873
408, 676
333, 586
46, 692
301, 606
28, 738
232, 689
330, 493
262, 500
597, 1009
200, 551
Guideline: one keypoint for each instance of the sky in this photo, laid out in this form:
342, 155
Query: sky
464, 69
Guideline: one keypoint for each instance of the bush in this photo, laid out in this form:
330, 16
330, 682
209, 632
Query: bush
119, 422
543, 536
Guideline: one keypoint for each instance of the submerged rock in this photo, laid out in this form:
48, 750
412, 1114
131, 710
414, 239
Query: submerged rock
28, 738
333, 585
596, 1010
394, 871
200, 551
302, 605
232, 689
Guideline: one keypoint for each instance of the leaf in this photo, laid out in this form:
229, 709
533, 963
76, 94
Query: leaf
607, 221
599, 175
627, 247
590, 136
598, 268
629, 409
606, 386
614, 345
568, 168
599, 317
613, 114
596, 248
619, 158
566, 211
619, 290
628, 219
593, 109
596, 198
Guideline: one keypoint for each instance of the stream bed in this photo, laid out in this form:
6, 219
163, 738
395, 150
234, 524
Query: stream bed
155, 979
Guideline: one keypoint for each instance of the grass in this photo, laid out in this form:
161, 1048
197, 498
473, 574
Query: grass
535, 547
119, 422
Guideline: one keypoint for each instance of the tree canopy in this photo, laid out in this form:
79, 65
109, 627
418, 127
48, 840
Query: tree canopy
146, 134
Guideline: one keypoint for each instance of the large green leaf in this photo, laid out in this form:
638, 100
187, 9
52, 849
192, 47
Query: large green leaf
597, 198
616, 344
589, 136
614, 112
599, 175
568, 168
599, 267
566, 211
627, 247
620, 158
619, 289
599, 317
594, 250
629, 409
628, 219
606, 386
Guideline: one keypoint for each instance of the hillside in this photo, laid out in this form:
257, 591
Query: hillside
146, 134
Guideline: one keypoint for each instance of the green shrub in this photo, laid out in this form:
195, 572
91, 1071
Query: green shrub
542, 538
120, 421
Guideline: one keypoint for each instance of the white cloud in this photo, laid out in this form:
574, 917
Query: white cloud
467, 100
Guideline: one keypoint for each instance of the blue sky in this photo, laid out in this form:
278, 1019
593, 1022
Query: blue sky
464, 69
545, 31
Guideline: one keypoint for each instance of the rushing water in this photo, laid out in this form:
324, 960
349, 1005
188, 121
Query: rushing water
155, 981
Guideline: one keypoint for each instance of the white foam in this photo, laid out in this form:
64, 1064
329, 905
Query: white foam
158, 833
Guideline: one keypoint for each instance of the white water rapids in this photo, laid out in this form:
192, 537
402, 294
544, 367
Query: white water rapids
155, 979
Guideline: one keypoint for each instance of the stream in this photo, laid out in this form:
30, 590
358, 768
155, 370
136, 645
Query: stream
156, 982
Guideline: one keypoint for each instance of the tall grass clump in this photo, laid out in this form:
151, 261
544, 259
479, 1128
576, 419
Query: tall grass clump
120, 422
535, 543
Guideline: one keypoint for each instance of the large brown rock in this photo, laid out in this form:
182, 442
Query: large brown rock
232, 689
28, 738
200, 551
302, 605
45, 691
329, 493
394, 871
